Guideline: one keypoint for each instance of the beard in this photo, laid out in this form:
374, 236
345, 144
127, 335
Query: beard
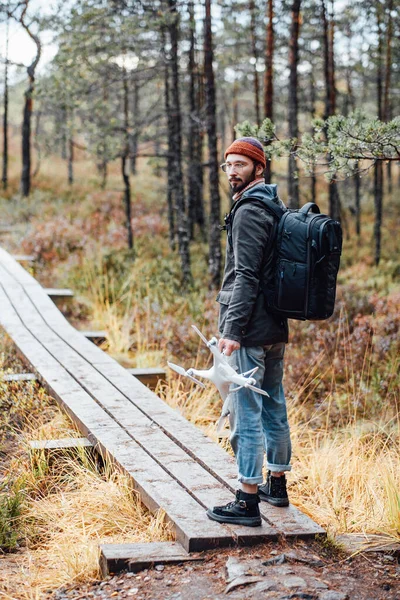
238, 183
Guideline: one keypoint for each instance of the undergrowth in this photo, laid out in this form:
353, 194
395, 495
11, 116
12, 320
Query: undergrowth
342, 376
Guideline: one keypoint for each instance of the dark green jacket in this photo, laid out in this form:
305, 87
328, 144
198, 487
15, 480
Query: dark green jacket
243, 316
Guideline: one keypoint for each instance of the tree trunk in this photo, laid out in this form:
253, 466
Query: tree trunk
195, 168
388, 72
134, 138
26, 140
124, 162
64, 126
357, 204
4, 177
378, 169
127, 199
170, 165
176, 150
28, 109
269, 76
255, 58
293, 180
70, 160
215, 203
312, 114
330, 96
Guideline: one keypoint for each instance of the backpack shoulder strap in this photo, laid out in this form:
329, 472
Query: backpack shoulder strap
266, 203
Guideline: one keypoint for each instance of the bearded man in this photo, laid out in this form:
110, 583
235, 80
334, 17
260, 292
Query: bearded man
252, 337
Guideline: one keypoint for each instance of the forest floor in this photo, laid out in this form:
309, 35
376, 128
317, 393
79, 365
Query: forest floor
342, 380
302, 570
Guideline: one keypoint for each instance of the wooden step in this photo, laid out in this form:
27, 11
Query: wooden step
136, 557
59, 294
97, 337
61, 444
19, 377
150, 377
24, 257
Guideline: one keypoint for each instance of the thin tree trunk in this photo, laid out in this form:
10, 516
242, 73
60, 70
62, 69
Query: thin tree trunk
312, 114
179, 194
255, 58
64, 126
378, 169
135, 134
37, 145
70, 160
4, 177
28, 109
200, 212
330, 96
293, 179
215, 203
357, 204
170, 166
195, 170
388, 72
235, 107
124, 162
269, 77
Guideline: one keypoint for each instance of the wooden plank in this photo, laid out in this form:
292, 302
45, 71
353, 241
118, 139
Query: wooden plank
368, 542
150, 376
61, 444
19, 377
56, 294
211, 457
23, 257
136, 557
96, 337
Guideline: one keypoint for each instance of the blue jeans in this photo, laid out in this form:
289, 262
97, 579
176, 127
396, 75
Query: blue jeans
259, 423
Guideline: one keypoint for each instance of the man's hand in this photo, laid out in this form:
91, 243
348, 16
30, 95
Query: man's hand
228, 346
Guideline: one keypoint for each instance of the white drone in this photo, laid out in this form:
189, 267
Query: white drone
222, 374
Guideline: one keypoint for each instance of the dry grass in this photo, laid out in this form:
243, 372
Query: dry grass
68, 504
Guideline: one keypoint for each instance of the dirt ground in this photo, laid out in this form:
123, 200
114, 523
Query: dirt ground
301, 570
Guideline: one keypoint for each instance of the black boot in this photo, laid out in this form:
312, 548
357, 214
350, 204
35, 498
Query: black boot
274, 490
242, 511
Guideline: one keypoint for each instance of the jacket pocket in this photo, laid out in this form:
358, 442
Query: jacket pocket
224, 297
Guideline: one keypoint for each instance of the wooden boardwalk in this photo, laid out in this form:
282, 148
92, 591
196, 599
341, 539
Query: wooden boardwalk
172, 464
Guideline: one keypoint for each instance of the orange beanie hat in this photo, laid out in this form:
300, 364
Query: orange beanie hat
248, 146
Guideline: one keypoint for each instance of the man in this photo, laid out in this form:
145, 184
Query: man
252, 337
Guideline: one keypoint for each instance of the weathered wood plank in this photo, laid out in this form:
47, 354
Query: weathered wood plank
19, 377
136, 557
150, 376
368, 542
56, 293
60, 444
96, 337
23, 257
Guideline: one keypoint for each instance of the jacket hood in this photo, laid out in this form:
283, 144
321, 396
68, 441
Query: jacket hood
264, 191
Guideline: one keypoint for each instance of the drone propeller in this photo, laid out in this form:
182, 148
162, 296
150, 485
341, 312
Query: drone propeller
250, 387
256, 389
200, 334
182, 371
251, 372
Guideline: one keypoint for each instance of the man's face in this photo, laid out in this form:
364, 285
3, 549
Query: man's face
241, 170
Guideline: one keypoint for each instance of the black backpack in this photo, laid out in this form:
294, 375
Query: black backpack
307, 246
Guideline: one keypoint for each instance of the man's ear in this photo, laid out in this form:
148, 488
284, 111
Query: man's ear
259, 170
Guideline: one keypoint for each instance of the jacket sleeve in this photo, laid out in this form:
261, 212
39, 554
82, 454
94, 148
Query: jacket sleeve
251, 231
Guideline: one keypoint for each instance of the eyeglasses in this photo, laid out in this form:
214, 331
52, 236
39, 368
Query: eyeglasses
237, 166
